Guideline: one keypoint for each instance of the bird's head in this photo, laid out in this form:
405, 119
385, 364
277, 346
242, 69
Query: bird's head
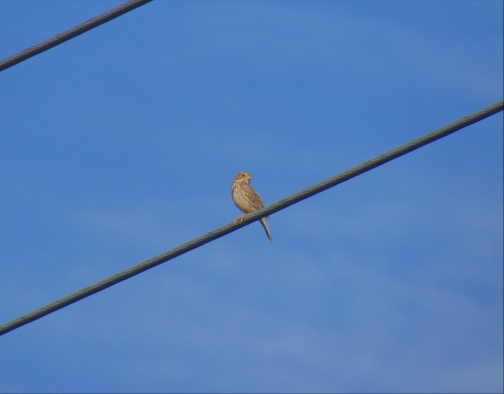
243, 177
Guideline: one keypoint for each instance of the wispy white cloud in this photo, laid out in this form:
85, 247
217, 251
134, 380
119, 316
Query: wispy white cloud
390, 282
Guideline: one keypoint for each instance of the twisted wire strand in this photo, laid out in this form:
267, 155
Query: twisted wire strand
279, 205
69, 34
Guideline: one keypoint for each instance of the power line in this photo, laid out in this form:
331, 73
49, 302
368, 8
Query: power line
74, 32
228, 228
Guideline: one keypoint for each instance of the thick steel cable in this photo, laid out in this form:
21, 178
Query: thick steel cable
228, 228
74, 32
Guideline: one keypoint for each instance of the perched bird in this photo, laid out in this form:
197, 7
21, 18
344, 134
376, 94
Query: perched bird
247, 199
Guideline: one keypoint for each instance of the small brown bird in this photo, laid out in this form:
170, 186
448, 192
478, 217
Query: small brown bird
247, 199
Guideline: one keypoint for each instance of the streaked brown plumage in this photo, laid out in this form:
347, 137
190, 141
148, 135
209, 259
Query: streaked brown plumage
247, 199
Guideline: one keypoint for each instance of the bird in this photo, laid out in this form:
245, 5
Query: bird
247, 200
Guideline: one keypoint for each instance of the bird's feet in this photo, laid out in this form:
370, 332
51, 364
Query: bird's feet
240, 219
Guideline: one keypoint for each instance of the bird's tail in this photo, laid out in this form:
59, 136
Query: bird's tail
265, 225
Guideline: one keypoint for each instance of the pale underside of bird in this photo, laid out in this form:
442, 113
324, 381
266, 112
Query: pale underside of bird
247, 200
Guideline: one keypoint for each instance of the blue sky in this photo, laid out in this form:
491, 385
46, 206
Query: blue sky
123, 142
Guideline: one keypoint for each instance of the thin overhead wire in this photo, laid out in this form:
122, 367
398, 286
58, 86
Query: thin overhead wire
228, 228
67, 35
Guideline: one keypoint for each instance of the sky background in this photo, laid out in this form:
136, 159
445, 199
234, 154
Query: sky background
122, 143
